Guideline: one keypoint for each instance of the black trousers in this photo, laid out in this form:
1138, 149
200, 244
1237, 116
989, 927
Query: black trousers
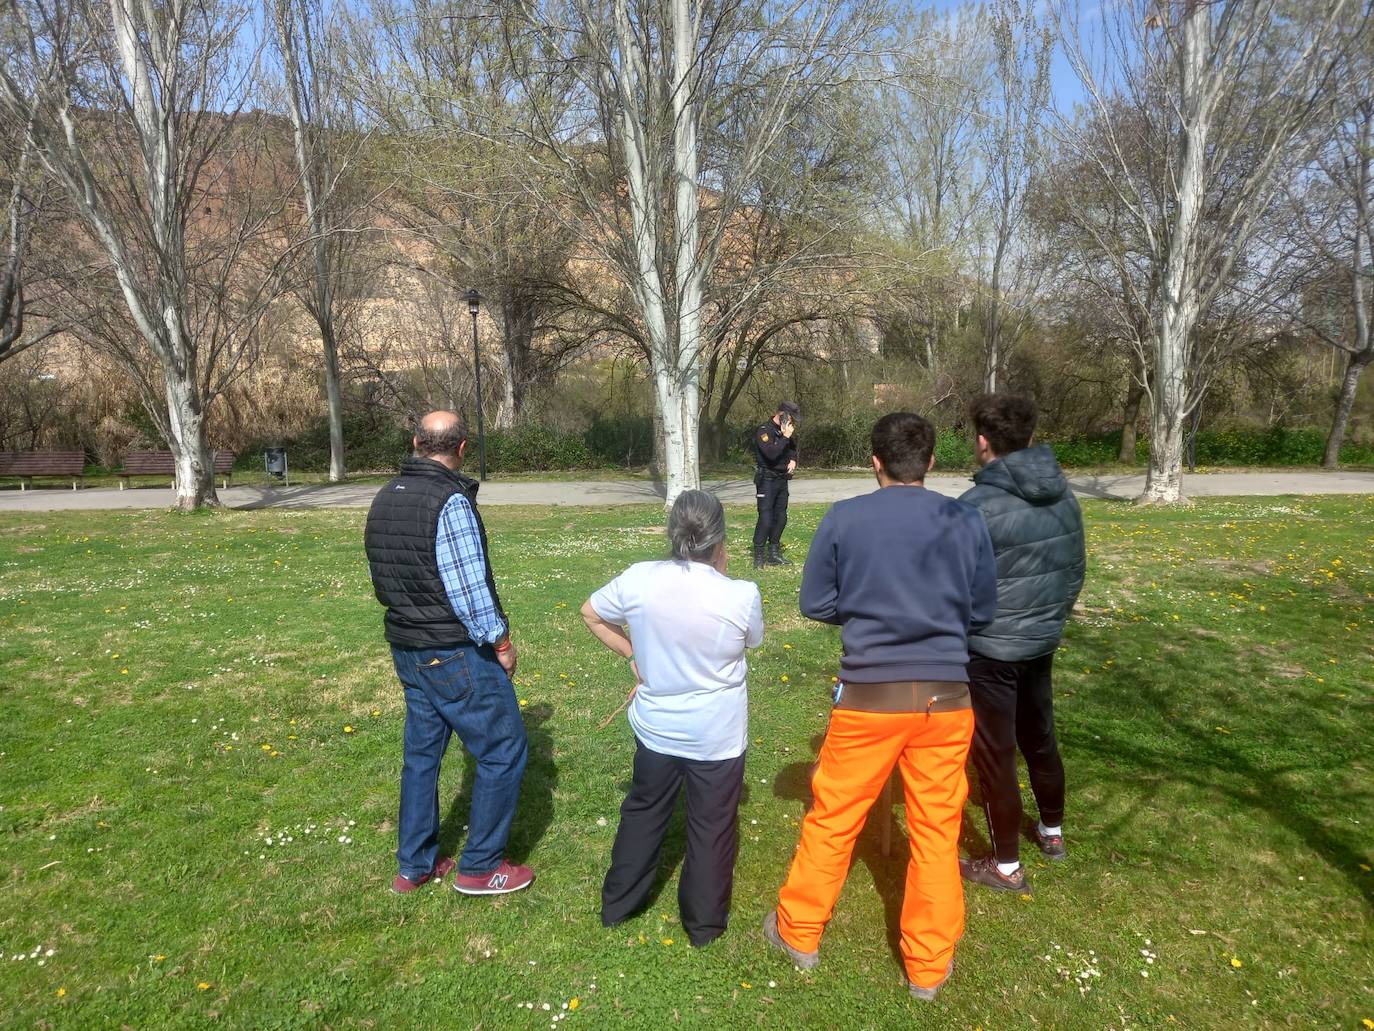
708, 870
771, 494
1012, 709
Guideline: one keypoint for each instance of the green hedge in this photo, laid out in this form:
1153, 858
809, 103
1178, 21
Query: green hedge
627, 442
533, 448
1272, 447
840, 445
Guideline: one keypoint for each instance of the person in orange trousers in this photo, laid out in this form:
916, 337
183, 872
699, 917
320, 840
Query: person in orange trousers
906, 574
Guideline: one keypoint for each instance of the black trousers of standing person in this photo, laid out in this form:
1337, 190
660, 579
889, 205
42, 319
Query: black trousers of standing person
770, 492
1012, 709
708, 870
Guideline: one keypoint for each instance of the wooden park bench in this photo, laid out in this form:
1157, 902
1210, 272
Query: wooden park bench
161, 463
27, 464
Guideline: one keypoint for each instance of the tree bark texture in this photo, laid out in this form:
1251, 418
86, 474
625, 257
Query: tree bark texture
1164, 483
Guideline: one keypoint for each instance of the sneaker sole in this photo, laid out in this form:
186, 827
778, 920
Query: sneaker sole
492, 891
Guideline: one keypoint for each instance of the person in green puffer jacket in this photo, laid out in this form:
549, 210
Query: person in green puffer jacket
1037, 536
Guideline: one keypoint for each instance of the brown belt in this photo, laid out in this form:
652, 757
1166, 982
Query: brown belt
905, 696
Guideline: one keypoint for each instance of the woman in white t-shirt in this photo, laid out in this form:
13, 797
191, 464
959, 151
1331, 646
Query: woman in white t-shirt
690, 625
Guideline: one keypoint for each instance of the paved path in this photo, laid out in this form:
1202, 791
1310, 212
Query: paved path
631, 492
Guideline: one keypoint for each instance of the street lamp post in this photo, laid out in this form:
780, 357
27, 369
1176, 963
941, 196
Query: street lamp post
474, 303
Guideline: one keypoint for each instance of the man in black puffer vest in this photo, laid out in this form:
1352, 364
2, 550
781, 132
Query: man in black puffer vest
1037, 536
450, 642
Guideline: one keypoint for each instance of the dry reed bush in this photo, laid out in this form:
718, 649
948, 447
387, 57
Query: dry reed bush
270, 400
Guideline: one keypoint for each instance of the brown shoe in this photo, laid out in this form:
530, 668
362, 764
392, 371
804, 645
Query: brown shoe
984, 871
405, 885
771, 934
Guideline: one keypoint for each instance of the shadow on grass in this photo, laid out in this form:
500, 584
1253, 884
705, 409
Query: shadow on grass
534, 811
673, 849
1245, 766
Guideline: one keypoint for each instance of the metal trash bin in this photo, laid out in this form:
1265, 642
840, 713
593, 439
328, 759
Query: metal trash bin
274, 459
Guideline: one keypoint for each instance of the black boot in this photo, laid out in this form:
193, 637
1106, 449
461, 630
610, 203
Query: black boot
775, 556
758, 556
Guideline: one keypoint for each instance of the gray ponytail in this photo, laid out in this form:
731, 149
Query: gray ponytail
695, 526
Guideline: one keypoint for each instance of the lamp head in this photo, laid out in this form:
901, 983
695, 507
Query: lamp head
474, 301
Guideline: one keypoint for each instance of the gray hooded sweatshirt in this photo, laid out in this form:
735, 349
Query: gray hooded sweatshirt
1037, 536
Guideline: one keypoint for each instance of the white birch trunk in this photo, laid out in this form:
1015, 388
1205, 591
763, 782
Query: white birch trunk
195, 471
687, 266
1169, 397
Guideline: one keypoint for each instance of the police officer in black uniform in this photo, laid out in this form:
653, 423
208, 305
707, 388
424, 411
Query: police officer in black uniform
775, 459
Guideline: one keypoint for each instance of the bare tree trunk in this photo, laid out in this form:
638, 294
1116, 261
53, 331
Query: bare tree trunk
333, 391
517, 334
682, 431
1164, 483
1364, 333
991, 357
314, 165
1350, 386
195, 471
992, 343
1130, 418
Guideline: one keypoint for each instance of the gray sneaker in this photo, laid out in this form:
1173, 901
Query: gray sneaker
805, 960
928, 994
1051, 845
984, 871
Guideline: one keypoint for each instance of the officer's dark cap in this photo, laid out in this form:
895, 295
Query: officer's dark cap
791, 408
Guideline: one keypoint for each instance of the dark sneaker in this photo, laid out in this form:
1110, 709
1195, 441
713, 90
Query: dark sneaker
404, 885
984, 871
928, 994
501, 881
805, 960
1051, 845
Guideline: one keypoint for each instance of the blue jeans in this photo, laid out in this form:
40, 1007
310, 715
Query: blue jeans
458, 690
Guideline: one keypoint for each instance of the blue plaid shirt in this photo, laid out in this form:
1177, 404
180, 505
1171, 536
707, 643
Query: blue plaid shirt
462, 567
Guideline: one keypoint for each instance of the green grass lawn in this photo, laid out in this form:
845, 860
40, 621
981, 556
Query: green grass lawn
200, 750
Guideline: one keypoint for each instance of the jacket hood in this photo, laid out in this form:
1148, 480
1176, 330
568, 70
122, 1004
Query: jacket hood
1032, 473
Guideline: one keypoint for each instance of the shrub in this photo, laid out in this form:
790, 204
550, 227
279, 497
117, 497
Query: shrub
371, 445
837, 445
626, 440
953, 451
531, 448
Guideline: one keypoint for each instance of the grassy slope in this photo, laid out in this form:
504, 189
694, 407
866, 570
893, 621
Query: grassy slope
177, 688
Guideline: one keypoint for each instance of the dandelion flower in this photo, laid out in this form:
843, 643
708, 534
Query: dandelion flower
203, 985
62, 991
575, 1002
1236, 963
348, 728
